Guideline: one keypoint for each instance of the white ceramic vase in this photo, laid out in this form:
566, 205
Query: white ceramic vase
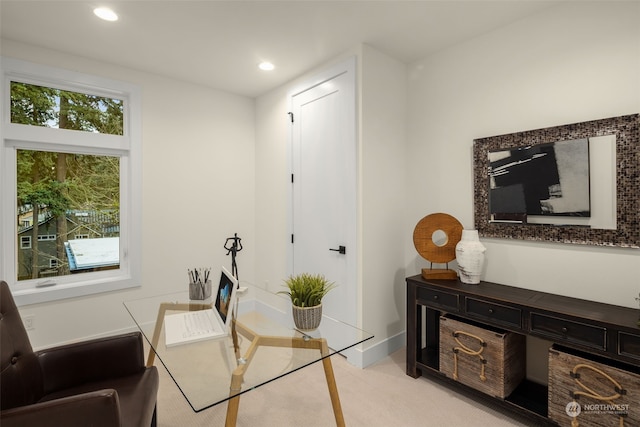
470, 257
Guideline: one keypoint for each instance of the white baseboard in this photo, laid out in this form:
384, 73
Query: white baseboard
361, 358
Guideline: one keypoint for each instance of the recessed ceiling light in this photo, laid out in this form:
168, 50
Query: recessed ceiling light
105, 13
266, 66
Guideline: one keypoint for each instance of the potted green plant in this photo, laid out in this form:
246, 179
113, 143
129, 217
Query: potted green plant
306, 292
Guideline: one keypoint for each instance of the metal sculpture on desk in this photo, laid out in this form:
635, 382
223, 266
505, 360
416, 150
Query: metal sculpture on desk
435, 238
233, 245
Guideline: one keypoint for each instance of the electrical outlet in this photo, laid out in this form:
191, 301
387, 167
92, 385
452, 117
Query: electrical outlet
29, 322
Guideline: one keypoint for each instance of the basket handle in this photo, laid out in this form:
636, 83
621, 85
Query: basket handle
592, 393
470, 352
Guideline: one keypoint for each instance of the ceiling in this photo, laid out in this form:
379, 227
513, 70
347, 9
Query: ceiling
220, 43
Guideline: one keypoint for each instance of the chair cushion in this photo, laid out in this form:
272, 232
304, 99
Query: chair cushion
134, 392
91, 361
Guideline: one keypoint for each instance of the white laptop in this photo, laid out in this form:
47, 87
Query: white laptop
192, 326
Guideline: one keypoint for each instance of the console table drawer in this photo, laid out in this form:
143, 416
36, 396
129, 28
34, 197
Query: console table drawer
569, 331
629, 345
439, 299
497, 313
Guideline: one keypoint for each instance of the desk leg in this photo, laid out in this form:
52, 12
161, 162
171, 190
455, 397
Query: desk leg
331, 383
256, 341
156, 333
236, 381
234, 403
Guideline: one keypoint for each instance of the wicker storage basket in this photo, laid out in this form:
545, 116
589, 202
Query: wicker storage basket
484, 358
584, 392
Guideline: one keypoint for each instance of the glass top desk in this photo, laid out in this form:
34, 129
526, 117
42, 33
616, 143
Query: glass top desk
264, 346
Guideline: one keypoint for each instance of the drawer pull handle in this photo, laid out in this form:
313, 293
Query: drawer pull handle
491, 311
564, 330
435, 297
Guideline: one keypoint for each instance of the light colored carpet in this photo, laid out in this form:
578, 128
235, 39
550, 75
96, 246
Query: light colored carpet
380, 395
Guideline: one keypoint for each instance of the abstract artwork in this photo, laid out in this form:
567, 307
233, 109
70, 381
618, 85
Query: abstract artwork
544, 179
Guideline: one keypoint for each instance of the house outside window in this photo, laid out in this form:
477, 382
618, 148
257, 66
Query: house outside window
71, 164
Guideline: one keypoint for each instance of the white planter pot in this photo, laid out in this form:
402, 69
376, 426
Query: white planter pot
470, 257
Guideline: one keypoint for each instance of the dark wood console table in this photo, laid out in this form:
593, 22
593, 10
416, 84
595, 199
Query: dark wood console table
604, 331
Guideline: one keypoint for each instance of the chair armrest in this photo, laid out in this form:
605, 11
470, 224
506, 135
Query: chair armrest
89, 361
98, 408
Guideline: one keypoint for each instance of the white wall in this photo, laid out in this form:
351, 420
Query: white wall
569, 64
383, 113
272, 183
198, 189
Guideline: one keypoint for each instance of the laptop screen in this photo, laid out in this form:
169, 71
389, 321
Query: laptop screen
226, 292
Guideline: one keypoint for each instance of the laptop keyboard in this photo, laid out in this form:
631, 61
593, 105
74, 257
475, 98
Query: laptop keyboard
198, 323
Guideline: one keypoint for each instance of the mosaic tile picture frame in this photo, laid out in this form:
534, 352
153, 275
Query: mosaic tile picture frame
627, 234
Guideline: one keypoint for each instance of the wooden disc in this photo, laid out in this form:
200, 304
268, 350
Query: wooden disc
423, 234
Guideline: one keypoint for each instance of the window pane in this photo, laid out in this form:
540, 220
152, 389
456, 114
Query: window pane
68, 213
56, 108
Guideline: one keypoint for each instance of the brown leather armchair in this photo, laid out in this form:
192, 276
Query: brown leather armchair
101, 382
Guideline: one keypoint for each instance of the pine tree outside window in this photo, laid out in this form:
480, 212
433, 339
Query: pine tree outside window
71, 164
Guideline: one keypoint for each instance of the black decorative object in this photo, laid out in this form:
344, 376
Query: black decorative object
233, 245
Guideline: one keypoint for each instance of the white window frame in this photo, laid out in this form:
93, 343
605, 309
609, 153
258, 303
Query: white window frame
127, 146
25, 242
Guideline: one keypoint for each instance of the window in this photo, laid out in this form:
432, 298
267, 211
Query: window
71, 165
25, 242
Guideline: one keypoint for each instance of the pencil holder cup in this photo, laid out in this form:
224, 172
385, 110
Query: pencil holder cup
200, 291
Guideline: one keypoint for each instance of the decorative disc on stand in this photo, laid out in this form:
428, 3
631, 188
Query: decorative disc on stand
435, 238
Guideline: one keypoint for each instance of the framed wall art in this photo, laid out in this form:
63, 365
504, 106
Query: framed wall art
577, 183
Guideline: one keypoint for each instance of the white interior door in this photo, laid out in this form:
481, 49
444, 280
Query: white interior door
324, 187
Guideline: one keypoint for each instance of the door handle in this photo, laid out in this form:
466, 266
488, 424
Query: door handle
341, 249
